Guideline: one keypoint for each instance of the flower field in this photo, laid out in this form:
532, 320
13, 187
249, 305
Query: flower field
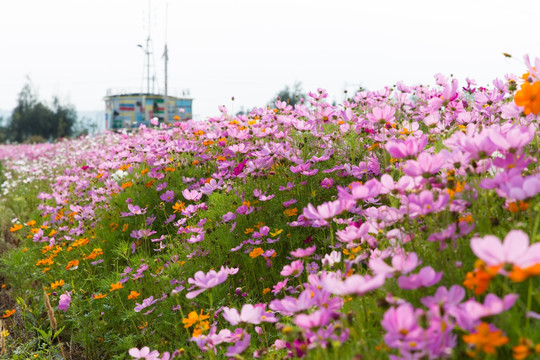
401, 224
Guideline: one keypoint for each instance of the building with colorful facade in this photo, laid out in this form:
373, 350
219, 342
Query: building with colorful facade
130, 110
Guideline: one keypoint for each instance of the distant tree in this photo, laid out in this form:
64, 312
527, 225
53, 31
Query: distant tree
31, 118
290, 96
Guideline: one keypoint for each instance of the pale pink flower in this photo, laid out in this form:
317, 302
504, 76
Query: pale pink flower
354, 284
514, 250
249, 314
206, 281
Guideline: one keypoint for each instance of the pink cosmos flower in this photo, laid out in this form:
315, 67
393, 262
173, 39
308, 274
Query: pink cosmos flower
229, 216
326, 210
144, 353
300, 253
519, 187
371, 189
492, 305
192, 195
289, 202
354, 284
514, 250
238, 168
136, 210
167, 196
512, 137
295, 268
381, 115
279, 286
449, 93
426, 277
351, 233
388, 186
240, 345
316, 319
250, 314
401, 263
411, 146
290, 305
426, 164
206, 281
424, 203
447, 298
402, 328
146, 303
331, 259
210, 341
327, 183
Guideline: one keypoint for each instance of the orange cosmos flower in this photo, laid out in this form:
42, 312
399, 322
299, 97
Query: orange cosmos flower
485, 340
127, 184
515, 207
73, 264
58, 283
256, 252
291, 212
479, 279
116, 286
193, 318
15, 227
179, 206
8, 313
95, 253
133, 295
529, 97
523, 350
518, 274
98, 296
31, 223
201, 328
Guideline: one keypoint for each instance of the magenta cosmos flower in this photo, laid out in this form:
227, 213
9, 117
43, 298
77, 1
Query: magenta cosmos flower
168, 196
299, 253
65, 301
402, 328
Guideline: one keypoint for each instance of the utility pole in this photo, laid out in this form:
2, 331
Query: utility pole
166, 58
166, 98
147, 52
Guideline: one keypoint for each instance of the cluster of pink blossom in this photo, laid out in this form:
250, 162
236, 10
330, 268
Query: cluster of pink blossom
406, 172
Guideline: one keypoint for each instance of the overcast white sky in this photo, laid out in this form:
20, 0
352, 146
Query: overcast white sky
250, 49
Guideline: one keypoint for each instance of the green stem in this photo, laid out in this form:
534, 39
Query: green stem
332, 239
210, 299
529, 298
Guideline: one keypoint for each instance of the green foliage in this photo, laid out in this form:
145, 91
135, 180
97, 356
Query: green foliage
32, 119
291, 96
